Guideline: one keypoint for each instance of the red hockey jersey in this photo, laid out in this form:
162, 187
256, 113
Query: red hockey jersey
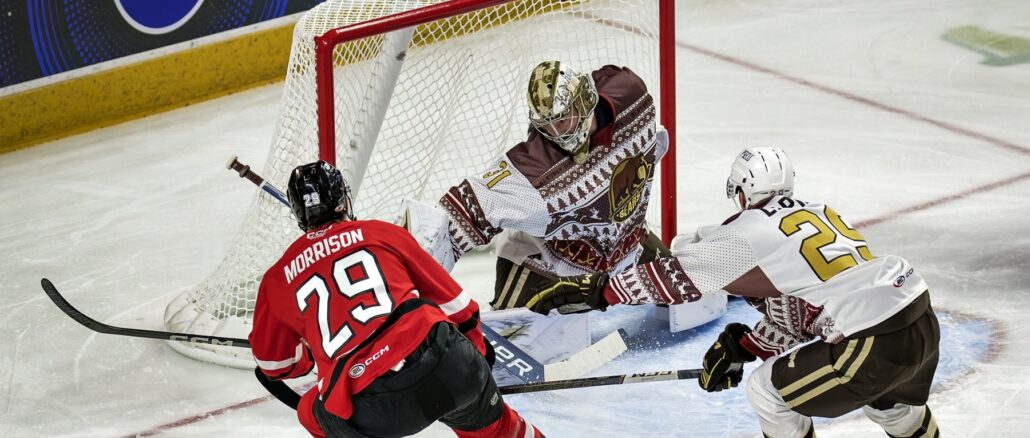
332, 289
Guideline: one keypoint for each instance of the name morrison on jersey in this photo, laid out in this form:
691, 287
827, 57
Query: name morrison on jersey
322, 248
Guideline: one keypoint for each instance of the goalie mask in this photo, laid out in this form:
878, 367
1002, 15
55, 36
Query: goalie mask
759, 173
561, 106
318, 195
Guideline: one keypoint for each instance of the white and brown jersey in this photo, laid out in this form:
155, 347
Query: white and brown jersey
807, 270
590, 216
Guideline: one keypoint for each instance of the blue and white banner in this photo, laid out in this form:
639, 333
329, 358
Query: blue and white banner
39, 38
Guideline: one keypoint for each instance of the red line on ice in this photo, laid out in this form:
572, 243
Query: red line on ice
882, 106
198, 418
941, 201
863, 100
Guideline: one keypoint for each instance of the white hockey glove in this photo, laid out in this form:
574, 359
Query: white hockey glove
687, 238
428, 225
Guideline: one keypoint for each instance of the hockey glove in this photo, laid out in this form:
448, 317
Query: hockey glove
724, 361
573, 294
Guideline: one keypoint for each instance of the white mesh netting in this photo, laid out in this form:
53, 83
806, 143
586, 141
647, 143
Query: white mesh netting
458, 101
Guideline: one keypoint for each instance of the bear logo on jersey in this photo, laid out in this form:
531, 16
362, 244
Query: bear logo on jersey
629, 179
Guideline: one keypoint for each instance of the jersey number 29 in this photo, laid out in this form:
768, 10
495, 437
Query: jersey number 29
811, 247
370, 281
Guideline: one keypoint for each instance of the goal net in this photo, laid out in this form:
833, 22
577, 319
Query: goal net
422, 94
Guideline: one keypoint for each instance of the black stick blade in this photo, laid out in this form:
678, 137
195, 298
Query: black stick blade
278, 389
99, 327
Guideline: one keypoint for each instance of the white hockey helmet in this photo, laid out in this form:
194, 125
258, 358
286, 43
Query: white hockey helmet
561, 105
760, 173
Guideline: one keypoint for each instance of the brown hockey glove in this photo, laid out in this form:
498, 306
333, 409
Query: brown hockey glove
573, 294
724, 362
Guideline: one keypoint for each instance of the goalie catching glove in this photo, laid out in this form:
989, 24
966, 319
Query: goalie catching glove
724, 362
572, 294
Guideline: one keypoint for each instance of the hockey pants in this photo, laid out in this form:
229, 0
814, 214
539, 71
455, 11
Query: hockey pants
444, 379
887, 375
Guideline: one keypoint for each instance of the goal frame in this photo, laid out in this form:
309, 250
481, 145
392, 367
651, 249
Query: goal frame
382, 42
325, 44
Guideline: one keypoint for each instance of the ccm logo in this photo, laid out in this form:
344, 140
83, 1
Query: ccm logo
898, 282
358, 369
200, 339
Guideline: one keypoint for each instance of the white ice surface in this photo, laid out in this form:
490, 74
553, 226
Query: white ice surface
884, 120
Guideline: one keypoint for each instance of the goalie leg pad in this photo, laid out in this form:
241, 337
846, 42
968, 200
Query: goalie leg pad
515, 284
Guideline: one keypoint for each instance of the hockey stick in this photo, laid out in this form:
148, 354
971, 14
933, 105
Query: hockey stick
99, 327
620, 379
277, 388
244, 171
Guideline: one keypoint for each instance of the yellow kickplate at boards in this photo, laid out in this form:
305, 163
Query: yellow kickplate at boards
1000, 49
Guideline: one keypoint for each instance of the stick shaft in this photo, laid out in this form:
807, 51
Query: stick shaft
620, 379
249, 175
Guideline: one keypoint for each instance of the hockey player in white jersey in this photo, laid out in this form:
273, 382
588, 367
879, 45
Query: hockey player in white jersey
572, 196
812, 276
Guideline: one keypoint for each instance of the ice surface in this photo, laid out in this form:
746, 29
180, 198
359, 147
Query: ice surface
893, 126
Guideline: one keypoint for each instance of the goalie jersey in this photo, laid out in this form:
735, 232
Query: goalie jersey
579, 218
332, 289
806, 269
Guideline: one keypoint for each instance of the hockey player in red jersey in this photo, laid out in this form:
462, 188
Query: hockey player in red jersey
395, 340
812, 276
572, 196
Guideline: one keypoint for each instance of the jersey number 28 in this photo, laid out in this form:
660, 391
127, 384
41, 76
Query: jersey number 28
371, 280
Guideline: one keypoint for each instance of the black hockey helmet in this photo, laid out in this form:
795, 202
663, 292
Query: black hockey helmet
318, 195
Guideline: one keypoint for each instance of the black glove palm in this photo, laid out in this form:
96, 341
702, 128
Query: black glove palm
724, 361
572, 294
